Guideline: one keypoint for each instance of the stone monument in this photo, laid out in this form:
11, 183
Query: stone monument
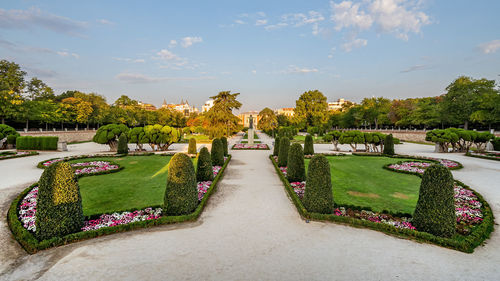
250, 130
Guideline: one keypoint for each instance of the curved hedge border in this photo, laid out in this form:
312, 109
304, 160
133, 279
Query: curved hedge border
465, 244
481, 156
31, 153
27, 240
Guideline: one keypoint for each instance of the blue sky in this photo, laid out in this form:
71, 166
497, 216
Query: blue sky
269, 51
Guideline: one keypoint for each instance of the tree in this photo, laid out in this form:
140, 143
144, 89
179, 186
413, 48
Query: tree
353, 138
296, 169
38, 90
221, 120
375, 110
488, 108
109, 134
268, 120
161, 137
181, 194
138, 136
11, 86
318, 196
170, 117
217, 153
80, 109
311, 108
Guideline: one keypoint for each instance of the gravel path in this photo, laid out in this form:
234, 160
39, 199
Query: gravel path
250, 230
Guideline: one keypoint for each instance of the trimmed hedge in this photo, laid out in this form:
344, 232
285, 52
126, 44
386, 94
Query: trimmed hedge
217, 153
318, 196
31, 153
192, 146
59, 209
276, 149
283, 154
496, 144
11, 139
224, 145
204, 171
122, 145
36, 143
296, 168
181, 194
309, 145
389, 145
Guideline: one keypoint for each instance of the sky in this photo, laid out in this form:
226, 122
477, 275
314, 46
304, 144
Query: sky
268, 51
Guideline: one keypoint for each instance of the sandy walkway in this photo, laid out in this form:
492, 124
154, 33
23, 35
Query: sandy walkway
250, 230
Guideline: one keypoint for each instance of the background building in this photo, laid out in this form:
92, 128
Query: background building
182, 107
208, 104
337, 105
245, 118
147, 106
287, 111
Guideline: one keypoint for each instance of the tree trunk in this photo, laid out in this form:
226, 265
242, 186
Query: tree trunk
62, 126
46, 126
3, 120
27, 123
466, 125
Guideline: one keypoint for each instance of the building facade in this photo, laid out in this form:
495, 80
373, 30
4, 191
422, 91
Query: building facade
208, 104
245, 118
337, 105
287, 111
182, 107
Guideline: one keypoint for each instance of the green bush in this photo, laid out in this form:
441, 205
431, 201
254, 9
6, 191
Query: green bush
288, 132
181, 194
296, 169
204, 170
59, 207
327, 138
161, 137
309, 145
37, 143
389, 145
122, 144
313, 130
11, 139
109, 134
283, 154
276, 149
353, 138
496, 144
318, 196
138, 136
435, 210
8, 132
192, 146
217, 153
224, 145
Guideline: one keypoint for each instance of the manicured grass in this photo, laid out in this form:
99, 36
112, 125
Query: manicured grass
200, 138
361, 181
139, 185
255, 137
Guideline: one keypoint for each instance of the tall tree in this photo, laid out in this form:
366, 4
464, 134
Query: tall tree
268, 120
375, 110
11, 87
80, 109
38, 90
221, 120
311, 108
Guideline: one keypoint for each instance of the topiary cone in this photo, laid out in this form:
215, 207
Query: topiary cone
122, 144
59, 205
309, 145
276, 149
435, 210
389, 145
192, 146
204, 171
224, 145
181, 194
318, 197
283, 154
296, 169
217, 153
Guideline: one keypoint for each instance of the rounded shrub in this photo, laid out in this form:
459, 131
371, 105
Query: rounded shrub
108, 134
224, 145
309, 145
192, 146
276, 149
204, 170
217, 153
296, 170
318, 197
122, 144
181, 194
389, 145
59, 205
435, 210
283, 154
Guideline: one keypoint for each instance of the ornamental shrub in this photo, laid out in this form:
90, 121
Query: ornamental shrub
11, 139
496, 144
138, 136
435, 210
36, 143
276, 149
204, 170
283, 154
309, 145
389, 145
181, 194
318, 197
353, 138
296, 169
161, 137
108, 134
217, 153
59, 205
327, 138
224, 145
6, 131
122, 144
192, 146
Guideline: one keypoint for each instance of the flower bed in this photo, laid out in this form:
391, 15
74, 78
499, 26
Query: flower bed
246, 146
16, 154
491, 155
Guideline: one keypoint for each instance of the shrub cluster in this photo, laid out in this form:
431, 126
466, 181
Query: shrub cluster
109, 134
283, 152
309, 145
435, 210
389, 145
138, 136
59, 206
459, 139
276, 149
192, 146
296, 168
181, 194
318, 196
217, 153
204, 170
224, 145
36, 143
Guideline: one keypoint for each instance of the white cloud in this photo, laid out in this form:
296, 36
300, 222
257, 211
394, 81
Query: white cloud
172, 44
346, 14
138, 78
261, 14
166, 55
261, 22
67, 54
129, 60
105, 22
254, 71
292, 69
301, 19
189, 41
354, 43
275, 26
239, 22
490, 47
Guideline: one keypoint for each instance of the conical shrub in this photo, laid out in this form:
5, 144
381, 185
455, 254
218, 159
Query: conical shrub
389, 145
192, 146
296, 169
204, 170
217, 153
283, 154
309, 145
224, 145
318, 197
181, 194
59, 205
435, 210
122, 144
276, 149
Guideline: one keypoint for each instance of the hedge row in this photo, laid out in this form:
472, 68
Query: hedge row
36, 143
482, 156
19, 156
28, 241
465, 244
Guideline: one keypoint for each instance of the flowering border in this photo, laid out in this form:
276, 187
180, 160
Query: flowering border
234, 147
28, 241
465, 244
20, 154
483, 156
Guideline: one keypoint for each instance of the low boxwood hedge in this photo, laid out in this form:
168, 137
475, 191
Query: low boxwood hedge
31, 153
458, 242
28, 241
36, 143
481, 156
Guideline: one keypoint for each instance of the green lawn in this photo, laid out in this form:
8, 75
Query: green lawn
255, 137
361, 181
303, 138
140, 184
